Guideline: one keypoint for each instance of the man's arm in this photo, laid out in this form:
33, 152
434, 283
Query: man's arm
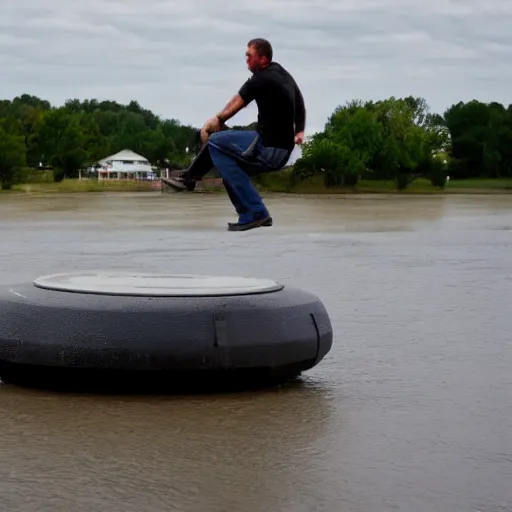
234, 105
245, 95
214, 124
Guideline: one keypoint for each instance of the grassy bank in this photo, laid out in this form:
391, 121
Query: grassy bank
278, 182
73, 185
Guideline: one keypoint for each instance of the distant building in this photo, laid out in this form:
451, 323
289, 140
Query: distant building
125, 165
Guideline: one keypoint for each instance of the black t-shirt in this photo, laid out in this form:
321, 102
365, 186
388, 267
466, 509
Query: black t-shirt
281, 112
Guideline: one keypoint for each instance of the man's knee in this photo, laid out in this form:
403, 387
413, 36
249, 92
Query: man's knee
220, 139
206, 136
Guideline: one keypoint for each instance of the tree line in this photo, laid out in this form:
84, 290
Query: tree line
400, 139
393, 139
79, 133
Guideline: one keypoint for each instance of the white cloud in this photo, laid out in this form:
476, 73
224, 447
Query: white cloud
186, 59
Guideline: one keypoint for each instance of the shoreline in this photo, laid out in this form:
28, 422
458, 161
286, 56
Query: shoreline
273, 184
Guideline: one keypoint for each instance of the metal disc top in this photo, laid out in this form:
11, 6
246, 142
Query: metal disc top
154, 284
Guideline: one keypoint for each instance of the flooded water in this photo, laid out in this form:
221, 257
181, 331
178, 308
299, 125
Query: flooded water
410, 411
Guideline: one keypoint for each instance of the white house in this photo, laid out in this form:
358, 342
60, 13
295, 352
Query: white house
125, 165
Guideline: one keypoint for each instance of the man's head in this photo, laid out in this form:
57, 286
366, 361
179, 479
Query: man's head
258, 54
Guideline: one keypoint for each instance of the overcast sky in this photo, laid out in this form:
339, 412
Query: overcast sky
185, 58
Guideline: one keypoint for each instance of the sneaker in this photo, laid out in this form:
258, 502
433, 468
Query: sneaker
180, 183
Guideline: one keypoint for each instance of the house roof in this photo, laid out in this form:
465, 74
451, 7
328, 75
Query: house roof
125, 154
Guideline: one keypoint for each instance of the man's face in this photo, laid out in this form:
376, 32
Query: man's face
254, 61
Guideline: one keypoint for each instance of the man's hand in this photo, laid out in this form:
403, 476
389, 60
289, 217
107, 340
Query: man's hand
212, 125
299, 138
217, 123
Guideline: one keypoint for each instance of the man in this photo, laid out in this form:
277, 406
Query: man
240, 154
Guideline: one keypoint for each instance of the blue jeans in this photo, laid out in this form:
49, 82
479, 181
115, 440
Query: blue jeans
237, 155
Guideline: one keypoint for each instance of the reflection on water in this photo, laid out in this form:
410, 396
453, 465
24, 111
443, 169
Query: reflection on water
411, 410
154, 453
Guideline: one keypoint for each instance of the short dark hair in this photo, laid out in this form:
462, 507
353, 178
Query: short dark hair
263, 47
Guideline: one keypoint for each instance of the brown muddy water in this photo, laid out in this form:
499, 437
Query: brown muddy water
410, 411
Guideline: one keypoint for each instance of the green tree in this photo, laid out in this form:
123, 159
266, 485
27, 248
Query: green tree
391, 139
12, 157
404, 146
62, 140
336, 163
481, 139
81, 132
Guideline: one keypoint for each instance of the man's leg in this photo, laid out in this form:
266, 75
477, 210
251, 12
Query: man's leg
240, 208
226, 150
200, 166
